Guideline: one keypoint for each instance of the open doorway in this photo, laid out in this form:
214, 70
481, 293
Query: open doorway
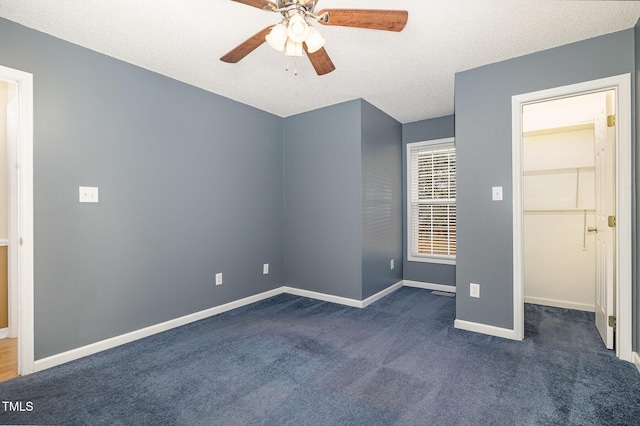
8, 328
618, 267
568, 192
19, 241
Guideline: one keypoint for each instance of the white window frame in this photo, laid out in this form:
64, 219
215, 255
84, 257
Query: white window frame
441, 259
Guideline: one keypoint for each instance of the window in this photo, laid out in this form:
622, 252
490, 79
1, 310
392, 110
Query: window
431, 210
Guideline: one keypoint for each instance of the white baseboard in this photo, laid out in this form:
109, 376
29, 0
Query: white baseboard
635, 358
485, 329
559, 304
73, 354
61, 358
430, 286
354, 303
4, 333
379, 295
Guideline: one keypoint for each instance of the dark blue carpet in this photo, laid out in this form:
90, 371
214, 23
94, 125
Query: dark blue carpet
291, 360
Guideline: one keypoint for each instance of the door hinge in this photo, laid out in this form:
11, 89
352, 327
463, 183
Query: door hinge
612, 322
611, 120
611, 221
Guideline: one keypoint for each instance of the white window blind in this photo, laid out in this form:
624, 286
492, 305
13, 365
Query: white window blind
432, 203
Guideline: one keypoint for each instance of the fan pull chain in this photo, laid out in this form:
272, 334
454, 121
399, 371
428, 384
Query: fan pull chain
295, 67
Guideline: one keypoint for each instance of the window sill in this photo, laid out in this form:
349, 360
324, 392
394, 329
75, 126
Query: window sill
432, 260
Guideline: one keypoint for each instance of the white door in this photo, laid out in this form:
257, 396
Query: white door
605, 207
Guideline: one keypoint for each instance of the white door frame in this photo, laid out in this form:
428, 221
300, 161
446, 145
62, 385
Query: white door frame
624, 196
21, 220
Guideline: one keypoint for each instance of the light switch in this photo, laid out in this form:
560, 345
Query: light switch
88, 194
496, 193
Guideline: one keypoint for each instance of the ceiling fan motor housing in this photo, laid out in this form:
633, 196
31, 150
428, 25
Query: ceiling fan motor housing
307, 4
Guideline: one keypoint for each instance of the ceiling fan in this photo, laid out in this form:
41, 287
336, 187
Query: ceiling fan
294, 34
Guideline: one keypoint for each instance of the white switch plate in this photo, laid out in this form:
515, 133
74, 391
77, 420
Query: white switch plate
393, 264
219, 278
88, 194
474, 290
496, 193
265, 269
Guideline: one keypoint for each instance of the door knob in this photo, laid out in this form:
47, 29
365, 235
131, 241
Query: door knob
592, 229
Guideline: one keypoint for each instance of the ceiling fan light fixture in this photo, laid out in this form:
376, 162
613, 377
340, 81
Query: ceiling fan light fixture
315, 41
298, 29
277, 38
294, 34
293, 48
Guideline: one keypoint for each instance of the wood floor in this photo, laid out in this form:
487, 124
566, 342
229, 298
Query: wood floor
8, 359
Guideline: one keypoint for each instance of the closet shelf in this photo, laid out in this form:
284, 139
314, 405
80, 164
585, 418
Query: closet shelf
559, 171
560, 211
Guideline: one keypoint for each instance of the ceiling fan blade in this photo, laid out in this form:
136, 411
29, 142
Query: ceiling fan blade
246, 47
260, 4
320, 60
374, 19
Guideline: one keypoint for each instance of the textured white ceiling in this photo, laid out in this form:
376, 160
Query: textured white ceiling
409, 75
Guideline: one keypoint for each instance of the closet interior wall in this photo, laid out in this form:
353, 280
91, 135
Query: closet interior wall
559, 207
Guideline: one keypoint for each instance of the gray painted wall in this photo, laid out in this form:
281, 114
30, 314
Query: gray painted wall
483, 141
381, 200
190, 185
323, 226
343, 219
435, 128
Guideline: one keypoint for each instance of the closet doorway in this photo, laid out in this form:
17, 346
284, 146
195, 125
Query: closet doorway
611, 228
568, 187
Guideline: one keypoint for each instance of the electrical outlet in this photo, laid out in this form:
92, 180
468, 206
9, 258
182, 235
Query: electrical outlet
393, 264
265, 269
219, 278
474, 290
